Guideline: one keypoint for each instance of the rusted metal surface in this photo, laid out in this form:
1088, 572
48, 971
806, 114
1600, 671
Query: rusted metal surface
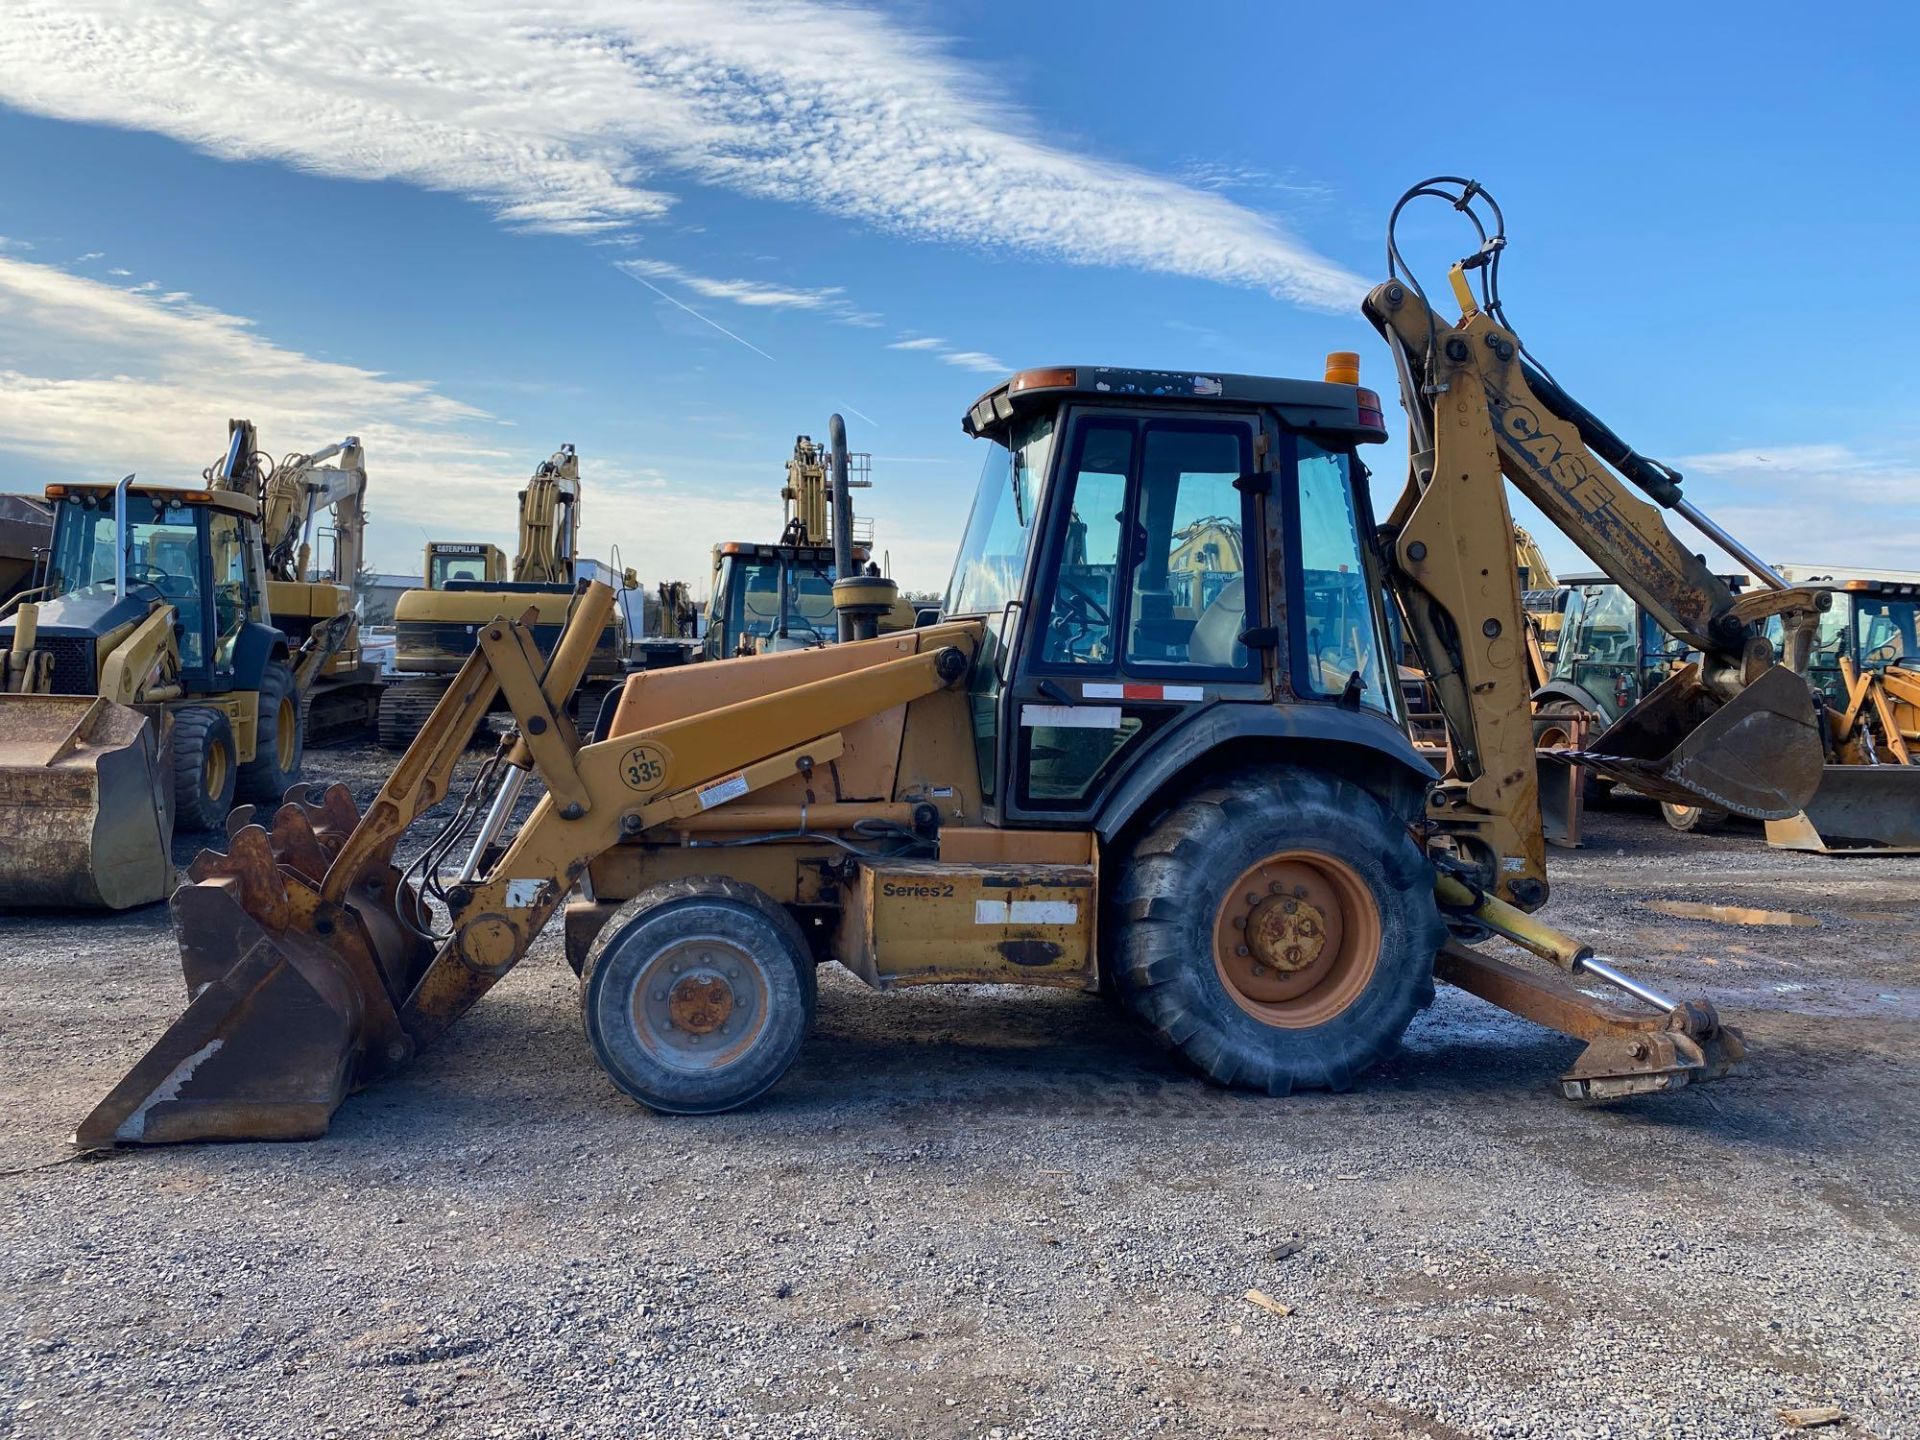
291, 1002
1757, 755
86, 804
1296, 939
1627, 1053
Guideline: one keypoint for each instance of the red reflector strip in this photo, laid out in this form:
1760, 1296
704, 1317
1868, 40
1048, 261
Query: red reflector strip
1374, 418
1092, 690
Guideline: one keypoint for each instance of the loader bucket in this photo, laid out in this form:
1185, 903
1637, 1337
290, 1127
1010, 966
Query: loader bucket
1858, 810
1757, 755
86, 804
291, 1005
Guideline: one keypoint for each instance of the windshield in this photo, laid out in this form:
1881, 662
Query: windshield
456, 567
163, 550
1883, 632
753, 598
991, 567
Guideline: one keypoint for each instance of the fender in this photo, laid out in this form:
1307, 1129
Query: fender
1566, 690
1362, 746
257, 646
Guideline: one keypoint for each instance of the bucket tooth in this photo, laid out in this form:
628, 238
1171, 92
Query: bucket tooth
238, 819
250, 868
296, 846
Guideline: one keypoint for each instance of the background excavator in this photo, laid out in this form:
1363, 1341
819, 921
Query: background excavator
312, 603
435, 626
766, 598
1080, 776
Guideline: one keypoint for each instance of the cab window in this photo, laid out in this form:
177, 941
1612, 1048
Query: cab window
1189, 601
1338, 611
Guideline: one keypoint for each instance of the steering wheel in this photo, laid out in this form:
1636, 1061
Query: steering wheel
1082, 610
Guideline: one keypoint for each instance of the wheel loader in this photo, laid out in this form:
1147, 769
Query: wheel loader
795, 593
1105, 767
1865, 664
468, 584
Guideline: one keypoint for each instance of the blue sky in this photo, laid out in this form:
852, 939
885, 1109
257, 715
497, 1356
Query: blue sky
471, 231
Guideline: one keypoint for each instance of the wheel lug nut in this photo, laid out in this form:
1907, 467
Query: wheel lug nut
1240, 950
659, 995
1276, 887
1290, 906
1258, 968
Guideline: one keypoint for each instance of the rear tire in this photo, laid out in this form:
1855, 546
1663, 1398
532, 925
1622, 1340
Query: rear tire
1693, 819
280, 740
700, 1000
204, 772
1334, 903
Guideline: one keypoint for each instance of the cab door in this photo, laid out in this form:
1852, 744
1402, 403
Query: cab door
1148, 568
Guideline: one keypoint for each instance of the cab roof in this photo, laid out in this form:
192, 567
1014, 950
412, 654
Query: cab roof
237, 502
1300, 404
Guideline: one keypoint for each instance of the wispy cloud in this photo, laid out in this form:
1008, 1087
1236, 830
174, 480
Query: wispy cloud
1805, 503
753, 293
580, 118
98, 379
116, 270
975, 360
703, 318
89, 257
9, 245
923, 342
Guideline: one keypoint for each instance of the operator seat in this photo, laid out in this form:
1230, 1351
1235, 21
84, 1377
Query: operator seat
1216, 634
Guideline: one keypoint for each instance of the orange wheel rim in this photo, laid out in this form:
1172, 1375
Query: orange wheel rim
1296, 939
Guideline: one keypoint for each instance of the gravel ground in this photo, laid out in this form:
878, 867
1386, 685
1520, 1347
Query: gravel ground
988, 1213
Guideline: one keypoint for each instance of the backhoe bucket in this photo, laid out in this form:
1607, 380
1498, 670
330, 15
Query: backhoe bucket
86, 804
1757, 755
292, 1005
1858, 809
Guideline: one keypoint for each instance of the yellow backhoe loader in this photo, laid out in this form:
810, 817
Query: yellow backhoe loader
435, 627
144, 685
799, 591
1102, 767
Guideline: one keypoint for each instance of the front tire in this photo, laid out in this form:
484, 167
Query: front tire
1278, 930
1693, 819
700, 1000
280, 740
204, 771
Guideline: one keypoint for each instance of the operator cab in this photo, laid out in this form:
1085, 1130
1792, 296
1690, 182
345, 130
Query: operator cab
1873, 624
771, 597
190, 549
1147, 546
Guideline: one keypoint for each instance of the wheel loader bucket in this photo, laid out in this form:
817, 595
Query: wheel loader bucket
291, 1003
1858, 810
86, 804
1757, 755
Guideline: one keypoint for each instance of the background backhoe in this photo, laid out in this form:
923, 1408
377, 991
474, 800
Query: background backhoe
1108, 765
782, 596
435, 626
